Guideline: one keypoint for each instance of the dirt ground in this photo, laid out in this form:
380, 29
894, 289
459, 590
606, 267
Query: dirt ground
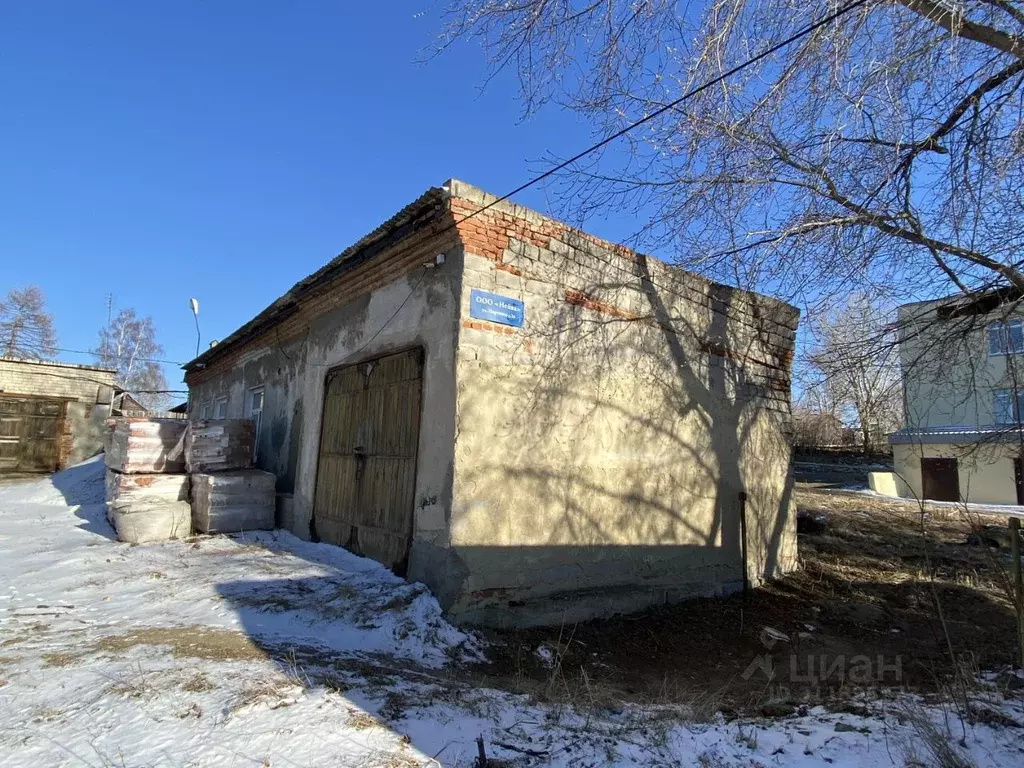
870, 585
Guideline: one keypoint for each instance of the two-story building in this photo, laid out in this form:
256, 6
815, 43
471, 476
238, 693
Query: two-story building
963, 389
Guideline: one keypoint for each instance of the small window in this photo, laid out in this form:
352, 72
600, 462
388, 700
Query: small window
1007, 409
1006, 337
255, 404
204, 411
220, 408
254, 411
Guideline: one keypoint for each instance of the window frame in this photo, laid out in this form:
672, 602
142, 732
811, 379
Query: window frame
217, 403
1012, 406
255, 415
999, 336
204, 410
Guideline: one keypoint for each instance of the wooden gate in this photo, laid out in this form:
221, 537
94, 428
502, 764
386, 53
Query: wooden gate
940, 479
366, 474
29, 429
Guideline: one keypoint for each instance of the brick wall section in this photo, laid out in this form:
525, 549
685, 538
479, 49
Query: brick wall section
41, 379
535, 254
531, 255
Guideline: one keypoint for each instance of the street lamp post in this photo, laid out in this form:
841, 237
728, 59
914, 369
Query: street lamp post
194, 306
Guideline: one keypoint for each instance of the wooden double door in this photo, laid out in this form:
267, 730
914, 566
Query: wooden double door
29, 432
366, 473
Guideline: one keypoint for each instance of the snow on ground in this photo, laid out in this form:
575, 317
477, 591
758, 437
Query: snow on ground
264, 650
1002, 510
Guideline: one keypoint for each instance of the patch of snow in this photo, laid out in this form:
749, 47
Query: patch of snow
1004, 510
266, 650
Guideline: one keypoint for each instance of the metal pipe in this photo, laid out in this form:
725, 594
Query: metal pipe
1018, 584
743, 539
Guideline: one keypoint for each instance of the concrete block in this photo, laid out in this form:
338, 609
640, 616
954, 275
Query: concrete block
557, 247
234, 501
145, 489
146, 446
284, 515
883, 483
218, 445
508, 282
140, 523
542, 289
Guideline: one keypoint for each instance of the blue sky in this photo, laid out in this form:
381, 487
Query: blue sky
224, 150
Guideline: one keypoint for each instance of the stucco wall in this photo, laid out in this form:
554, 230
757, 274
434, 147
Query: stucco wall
352, 326
985, 471
949, 376
592, 461
86, 390
602, 448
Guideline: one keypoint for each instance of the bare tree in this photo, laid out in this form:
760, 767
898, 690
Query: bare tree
128, 345
814, 428
884, 149
856, 361
26, 328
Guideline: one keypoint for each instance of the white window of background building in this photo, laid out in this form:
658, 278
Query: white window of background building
204, 411
254, 411
1006, 337
220, 408
1007, 408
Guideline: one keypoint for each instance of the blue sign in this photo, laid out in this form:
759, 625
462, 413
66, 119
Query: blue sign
497, 309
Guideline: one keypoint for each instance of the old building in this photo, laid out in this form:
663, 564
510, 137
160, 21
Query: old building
962, 360
539, 425
51, 414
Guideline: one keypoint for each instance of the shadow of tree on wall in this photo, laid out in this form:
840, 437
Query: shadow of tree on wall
649, 434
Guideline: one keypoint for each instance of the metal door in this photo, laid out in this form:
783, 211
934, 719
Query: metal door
940, 479
28, 434
366, 473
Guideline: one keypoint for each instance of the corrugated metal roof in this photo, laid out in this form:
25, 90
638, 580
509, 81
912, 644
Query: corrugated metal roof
960, 435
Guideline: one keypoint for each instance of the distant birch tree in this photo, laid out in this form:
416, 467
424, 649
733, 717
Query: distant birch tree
856, 366
128, 345
26, 328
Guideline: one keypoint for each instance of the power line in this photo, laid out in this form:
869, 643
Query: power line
671, 105
618, 134
97, 354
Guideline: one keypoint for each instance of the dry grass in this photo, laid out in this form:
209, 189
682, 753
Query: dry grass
361, 721
60, 659
869, 585
135, 684
197, 684
935, 746
273, 692
195, 642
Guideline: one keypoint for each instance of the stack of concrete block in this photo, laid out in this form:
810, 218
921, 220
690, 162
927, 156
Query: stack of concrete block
219, 445
233, 501
146, 485
141, 445
228, 496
